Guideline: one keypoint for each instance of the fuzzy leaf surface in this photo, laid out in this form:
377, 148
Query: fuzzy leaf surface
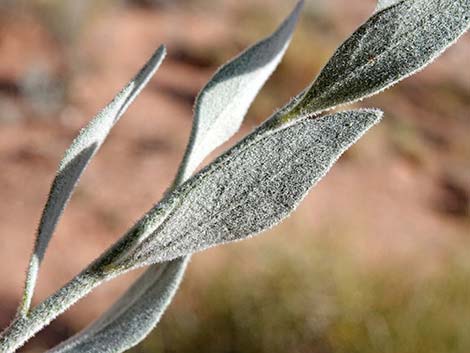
222, 104
393, 44
76, 159
219, 112
251, 187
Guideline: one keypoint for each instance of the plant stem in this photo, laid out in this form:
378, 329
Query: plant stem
24, 327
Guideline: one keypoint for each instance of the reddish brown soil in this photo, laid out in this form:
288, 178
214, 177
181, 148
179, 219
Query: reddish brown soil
398, 197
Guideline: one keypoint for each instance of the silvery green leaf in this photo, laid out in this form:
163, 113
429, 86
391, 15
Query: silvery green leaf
219, 111
75, 160
251, 187
132, 317
224, 101
393, 44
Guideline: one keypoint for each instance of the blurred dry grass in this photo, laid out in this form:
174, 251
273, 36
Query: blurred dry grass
375, 258
323, 300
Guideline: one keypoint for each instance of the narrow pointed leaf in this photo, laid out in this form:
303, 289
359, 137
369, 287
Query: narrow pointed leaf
129, 321
393, 44
75, 160
251, 187
224, 101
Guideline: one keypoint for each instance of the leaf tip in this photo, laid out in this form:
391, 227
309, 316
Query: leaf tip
162, 50
370, 116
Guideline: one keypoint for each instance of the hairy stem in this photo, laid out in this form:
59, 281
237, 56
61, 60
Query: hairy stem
25, 327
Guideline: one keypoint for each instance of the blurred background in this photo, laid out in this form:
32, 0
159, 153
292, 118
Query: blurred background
374, 260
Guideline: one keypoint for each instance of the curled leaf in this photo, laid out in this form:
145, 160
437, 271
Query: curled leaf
251, 187
75, 160
394, 43
224, 101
